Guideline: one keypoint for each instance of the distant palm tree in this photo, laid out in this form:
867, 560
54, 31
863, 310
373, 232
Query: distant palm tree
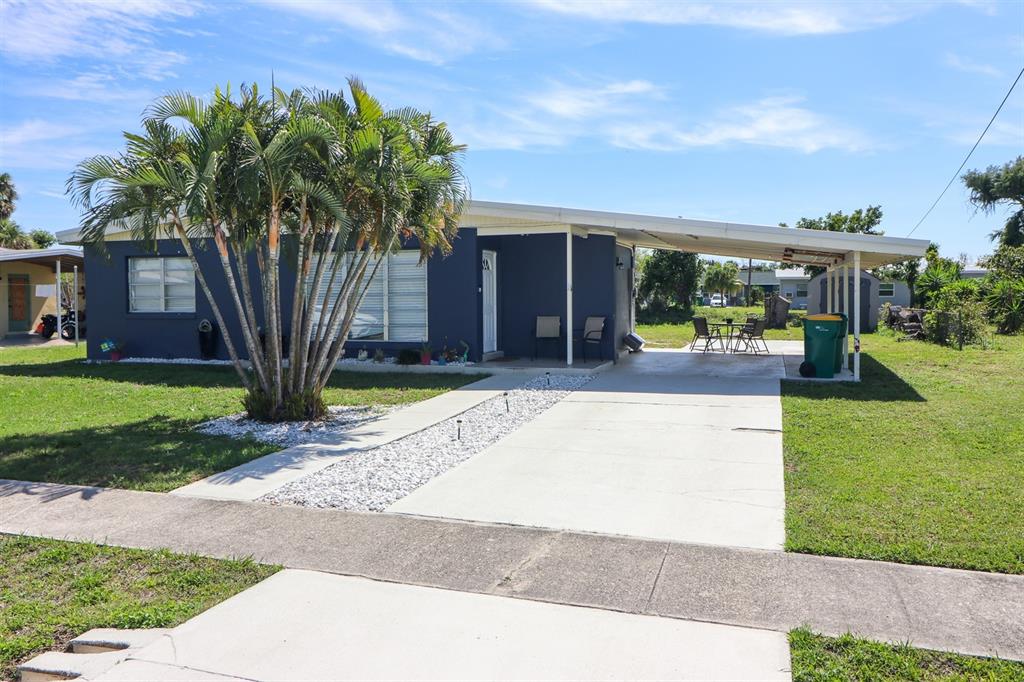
8, 195
722, 278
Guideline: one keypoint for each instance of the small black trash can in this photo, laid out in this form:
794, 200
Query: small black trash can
207, 340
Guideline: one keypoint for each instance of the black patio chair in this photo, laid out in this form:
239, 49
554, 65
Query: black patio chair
547, 328
752, 338
702, 332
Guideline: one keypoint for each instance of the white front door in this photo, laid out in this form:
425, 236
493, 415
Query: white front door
489, 265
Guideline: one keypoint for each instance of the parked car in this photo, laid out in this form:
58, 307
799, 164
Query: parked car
717, 301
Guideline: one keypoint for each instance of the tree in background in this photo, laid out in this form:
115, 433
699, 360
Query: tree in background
8, 195
861, 221
11, 234
722, 278
346, 181
668, 283
996, 186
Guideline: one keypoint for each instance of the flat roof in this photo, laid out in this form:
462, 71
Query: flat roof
739, 240
68, 256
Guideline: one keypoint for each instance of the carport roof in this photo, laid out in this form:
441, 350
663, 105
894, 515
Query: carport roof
760, 242
67, 255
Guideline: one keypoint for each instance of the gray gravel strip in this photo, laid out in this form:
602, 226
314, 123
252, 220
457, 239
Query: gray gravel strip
372, 480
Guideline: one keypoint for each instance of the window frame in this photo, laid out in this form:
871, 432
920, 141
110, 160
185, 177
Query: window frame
891, 285
163, 309
805, 287
385, 274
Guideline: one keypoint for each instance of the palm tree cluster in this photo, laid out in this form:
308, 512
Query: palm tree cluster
338, 180
11, 234
722, 278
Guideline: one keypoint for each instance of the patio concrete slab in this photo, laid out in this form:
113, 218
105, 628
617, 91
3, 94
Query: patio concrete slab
671, 454
939, 608
308, 625
254, 479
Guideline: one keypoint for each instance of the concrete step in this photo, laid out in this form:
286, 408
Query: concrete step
89, 656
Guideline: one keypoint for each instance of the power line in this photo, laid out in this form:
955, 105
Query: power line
966, 158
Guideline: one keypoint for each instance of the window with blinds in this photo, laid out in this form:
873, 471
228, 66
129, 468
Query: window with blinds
395, 305
161, 285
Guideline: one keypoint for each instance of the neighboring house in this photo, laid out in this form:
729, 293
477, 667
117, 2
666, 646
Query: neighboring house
765, 280
793, 285
874, 292
509, 265
28, 289
973, 272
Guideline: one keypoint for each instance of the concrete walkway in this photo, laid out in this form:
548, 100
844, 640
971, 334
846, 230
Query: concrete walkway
302, 625
667, 445
970, 612
258, 477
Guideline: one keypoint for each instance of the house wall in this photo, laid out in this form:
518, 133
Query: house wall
452, 312
39, 305
531, 283
624, 295
788, 288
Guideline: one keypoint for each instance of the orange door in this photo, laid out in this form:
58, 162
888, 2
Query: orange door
18, 307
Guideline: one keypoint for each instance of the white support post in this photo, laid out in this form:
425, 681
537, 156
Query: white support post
59, 297
568, 297
828, 290
74, 293
846, 309
856, 315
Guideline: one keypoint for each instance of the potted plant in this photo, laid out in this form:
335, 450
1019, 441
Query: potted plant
378, 355
115, 348
362, 354
425, 354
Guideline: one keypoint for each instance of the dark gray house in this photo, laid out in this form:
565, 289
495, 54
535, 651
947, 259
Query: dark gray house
511, 263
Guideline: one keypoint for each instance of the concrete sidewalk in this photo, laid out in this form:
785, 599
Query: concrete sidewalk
970, 612
254, 479
303, 625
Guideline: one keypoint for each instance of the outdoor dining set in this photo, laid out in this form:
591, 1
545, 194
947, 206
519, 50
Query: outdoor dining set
748, 336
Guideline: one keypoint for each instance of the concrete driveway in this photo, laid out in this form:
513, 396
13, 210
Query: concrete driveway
667, 445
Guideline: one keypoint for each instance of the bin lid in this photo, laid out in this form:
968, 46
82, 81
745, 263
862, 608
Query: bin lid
819, 318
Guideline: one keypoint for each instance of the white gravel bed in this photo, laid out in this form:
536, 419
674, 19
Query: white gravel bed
374, 479
287, 434
165, 361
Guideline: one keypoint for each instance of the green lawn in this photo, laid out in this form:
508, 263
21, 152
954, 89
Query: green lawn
679, 335
817, 658
922, 462
131, 425
53, 591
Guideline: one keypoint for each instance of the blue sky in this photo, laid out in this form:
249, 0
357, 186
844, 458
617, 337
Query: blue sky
746, 112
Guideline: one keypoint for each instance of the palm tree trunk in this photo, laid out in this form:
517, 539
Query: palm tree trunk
307, 316
187, 244
299, 301
272, 294
352, 279
250, 341
339, 342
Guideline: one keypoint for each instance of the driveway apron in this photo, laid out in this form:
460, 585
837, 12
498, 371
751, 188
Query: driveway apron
667, 445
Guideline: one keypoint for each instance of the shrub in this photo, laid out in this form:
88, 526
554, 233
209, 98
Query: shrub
956, 316
408, 356
296, 407
1005, 301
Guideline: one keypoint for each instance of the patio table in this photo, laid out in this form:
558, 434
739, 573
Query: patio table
728, 326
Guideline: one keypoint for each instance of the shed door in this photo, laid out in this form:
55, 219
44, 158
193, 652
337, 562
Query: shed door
18, 307
489, 265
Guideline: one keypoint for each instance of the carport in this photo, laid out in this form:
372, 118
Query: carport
842, 254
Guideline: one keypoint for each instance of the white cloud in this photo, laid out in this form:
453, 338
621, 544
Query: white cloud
785, 18
579, 102
423, 32
39, 144
955, 61
770, 122
120, 32
639, 114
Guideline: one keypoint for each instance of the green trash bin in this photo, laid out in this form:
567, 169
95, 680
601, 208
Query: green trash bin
840, 360
822, 333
